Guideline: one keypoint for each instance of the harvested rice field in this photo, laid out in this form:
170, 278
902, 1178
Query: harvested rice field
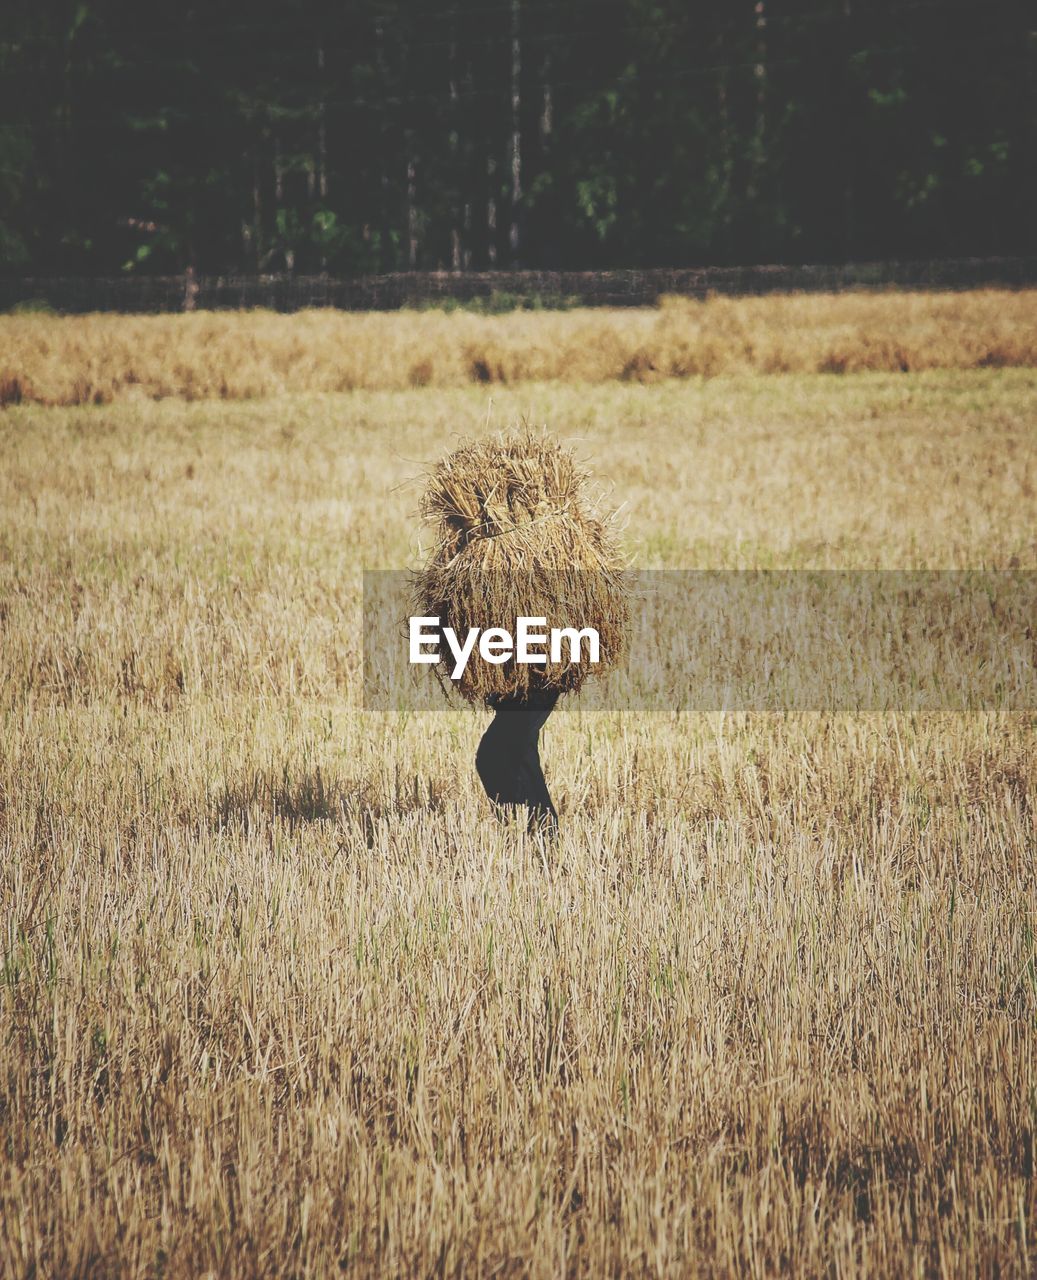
278, 994
100, 359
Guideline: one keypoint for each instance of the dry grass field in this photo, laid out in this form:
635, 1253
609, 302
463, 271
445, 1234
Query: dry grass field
231, 356
278, 997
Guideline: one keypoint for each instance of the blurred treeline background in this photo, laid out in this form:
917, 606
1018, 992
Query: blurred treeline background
380, 135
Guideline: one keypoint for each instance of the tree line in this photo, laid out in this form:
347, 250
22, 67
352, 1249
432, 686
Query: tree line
378, 135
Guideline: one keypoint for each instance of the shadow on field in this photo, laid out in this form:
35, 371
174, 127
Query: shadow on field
313, 797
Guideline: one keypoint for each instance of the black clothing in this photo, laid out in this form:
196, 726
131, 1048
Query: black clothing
508, 759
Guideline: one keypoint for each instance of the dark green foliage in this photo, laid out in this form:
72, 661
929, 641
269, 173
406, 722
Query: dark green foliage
500, 301
372, 136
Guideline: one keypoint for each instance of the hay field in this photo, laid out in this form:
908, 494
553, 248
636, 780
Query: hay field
231, 356
277, 995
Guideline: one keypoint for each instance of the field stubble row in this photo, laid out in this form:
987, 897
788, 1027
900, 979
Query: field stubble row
98, 359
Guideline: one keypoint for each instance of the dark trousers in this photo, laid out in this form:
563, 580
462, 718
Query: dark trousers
508, 760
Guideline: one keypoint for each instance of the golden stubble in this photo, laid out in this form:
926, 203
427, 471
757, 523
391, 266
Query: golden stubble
101, 359
279, 997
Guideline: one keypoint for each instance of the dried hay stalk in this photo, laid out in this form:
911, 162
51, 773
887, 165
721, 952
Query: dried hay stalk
517, 536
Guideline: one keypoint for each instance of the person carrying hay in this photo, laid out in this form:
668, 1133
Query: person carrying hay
516, 538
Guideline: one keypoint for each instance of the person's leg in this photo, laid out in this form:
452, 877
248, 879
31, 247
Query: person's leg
532, 783
508, 761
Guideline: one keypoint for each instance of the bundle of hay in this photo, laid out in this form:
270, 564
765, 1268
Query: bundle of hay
517, 536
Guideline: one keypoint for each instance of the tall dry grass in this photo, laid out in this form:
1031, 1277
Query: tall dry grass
100, 359
278, 997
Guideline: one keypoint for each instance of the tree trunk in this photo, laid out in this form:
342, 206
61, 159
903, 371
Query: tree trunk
491, 211
547, 110
466, 224
726, 167
516, 132
384, 234
279, 222
760, 74
317, 176
849, 198
257, 209
412, 212
190, 287
455, 145
322, 133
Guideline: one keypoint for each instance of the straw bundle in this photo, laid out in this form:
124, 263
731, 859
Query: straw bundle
517, 536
